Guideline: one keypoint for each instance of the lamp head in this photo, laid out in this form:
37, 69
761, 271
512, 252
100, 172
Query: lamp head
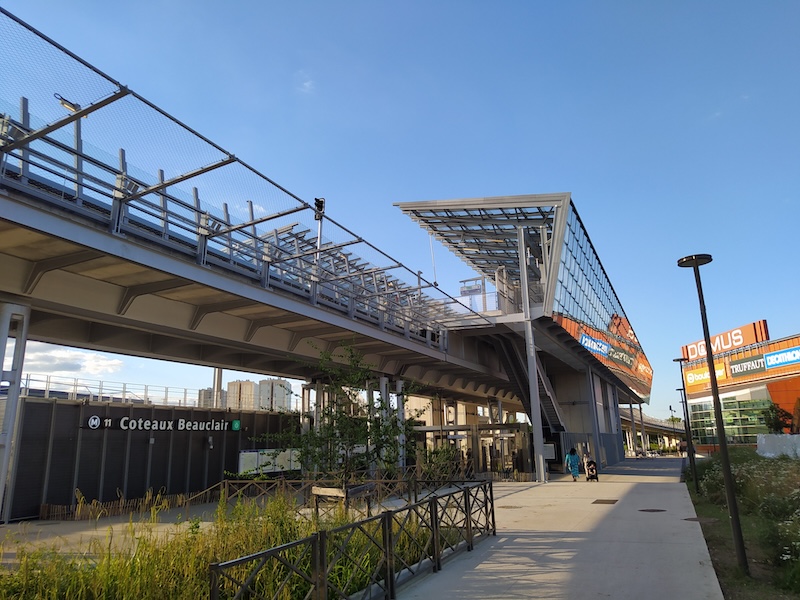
680, 360
70, 106
694, 259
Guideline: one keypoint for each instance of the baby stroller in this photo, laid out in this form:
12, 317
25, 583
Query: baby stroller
591, 471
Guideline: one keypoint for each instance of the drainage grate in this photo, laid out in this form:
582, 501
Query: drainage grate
652, 510
601, 501
702, 520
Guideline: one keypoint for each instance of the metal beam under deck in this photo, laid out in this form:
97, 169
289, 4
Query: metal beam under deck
148, 303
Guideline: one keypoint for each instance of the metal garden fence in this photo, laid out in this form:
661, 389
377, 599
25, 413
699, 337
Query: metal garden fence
366, 559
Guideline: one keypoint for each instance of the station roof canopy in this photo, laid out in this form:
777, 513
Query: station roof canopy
483, 232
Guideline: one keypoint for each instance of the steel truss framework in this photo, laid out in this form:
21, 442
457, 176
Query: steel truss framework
245, 222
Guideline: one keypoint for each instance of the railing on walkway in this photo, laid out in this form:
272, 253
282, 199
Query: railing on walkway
366, 559
36, 385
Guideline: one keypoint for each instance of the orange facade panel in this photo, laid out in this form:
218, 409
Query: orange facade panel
786, 394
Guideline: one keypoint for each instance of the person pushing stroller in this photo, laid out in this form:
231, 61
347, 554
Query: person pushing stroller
589, 467
591, 471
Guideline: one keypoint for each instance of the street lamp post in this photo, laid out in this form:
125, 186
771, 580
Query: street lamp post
672, 421
695, 261
687, 425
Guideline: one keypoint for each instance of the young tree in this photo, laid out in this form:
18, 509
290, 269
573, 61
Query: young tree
353, 432
777, 419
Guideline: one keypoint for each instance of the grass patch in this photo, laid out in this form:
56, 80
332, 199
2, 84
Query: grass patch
153, 565
768, 496
146, 562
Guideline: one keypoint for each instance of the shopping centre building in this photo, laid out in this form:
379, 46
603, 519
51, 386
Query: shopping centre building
752, 372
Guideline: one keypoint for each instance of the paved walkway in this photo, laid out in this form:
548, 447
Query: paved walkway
626, 537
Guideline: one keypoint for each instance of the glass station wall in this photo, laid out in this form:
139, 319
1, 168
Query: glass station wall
586, 306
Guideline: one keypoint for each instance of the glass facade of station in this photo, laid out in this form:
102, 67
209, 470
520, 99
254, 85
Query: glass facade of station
586, 305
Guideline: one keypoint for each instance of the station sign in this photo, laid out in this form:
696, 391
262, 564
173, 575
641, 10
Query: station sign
140, 424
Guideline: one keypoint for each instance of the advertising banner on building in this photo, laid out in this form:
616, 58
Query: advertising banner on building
700, 377
618, 352
781, 358
619, 356
730, 340
594, 345
747, 366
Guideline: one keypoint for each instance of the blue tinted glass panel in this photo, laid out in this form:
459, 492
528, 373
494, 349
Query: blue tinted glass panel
586, 305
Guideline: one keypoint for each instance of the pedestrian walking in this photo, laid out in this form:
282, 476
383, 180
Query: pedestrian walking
572, 462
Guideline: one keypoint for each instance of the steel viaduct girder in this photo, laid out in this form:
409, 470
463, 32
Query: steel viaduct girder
92, 288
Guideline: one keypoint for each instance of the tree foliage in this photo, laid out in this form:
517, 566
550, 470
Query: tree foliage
354, 431
777, 419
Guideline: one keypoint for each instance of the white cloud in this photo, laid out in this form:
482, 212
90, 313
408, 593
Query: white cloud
66, 362
303, 82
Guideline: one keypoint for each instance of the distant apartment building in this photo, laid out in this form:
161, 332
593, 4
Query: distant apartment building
242, 395
205, 398
274, 394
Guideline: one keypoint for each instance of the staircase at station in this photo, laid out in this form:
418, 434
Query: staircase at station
513, 359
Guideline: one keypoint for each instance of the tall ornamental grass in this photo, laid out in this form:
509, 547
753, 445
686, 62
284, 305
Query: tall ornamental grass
156, 566
145, 563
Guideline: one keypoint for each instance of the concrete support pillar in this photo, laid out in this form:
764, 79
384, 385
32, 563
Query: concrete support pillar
495, 407
451, 412
595, 441
530, 350
633, 430
14, 320
645, 438
305, 407
383, 383
217, 392
401, 420
319, 403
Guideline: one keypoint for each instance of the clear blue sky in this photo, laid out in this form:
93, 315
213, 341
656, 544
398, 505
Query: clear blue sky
675, 126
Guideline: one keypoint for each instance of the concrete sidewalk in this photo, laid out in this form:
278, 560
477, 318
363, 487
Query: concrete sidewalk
626, 537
